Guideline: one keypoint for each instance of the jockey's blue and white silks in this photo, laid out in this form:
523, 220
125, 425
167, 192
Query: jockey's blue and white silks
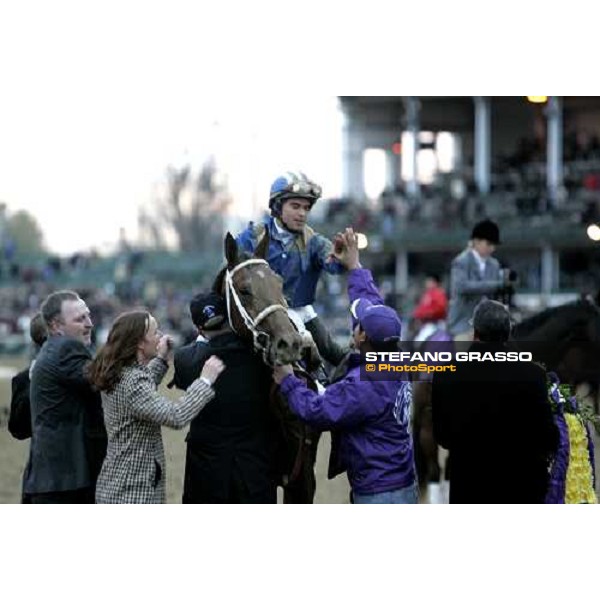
299, 258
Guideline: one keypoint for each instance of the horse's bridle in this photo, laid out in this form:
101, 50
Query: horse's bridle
261, 339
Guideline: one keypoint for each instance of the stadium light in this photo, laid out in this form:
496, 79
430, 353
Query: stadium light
593, 232
537, 99
363, 241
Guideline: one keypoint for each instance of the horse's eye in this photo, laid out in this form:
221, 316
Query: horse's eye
245, 292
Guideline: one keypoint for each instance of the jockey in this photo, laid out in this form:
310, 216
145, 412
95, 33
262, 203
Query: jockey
297, 253
432, 308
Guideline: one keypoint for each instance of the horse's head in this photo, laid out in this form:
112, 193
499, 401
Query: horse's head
256, 306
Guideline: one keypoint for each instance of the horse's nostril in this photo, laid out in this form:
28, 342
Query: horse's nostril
282, 345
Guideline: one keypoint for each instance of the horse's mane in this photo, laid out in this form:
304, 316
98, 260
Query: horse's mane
217, 285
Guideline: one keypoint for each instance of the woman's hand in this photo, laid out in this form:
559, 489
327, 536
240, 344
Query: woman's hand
213, 367
164, 348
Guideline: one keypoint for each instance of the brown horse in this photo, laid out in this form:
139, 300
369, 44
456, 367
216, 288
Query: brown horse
257, 312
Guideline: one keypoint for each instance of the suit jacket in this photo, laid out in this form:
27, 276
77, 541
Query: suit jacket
134, 469
68, 442
497, 423
468, 286
233, 436
19, 421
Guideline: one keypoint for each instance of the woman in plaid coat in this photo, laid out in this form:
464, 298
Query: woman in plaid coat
127, 371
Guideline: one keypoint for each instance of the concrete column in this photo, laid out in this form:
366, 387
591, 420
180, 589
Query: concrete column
554, 154
352, 161
550, 271
411, 146
401, 272
483, 154
393, 169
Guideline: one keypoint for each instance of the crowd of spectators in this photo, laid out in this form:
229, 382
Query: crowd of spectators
109, 286
168, 302
518, 192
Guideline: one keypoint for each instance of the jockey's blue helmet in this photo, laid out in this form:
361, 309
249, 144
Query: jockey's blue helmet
292, 184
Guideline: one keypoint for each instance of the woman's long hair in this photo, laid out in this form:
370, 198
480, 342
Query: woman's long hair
120, 350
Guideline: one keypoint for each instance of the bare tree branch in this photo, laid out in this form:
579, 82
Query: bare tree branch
192, 209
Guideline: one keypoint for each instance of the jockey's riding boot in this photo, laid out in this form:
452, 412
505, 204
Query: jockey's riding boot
321, 375
332, 352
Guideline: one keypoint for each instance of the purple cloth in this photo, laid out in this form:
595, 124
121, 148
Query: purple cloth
369, 420
558, 473
380, 323
440, 335
362, 287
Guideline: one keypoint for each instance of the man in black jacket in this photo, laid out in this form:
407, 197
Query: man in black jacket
68, 441
19, 422
495, 419
229, 447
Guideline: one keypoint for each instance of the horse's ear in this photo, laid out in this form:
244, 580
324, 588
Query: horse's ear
231, 250
262, 250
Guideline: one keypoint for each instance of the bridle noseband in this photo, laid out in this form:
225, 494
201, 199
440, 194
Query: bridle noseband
261, 339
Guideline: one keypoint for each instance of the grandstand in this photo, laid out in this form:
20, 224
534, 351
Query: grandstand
534, 167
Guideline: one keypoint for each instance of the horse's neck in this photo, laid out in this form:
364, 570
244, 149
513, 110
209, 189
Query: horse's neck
540, 321
554, 324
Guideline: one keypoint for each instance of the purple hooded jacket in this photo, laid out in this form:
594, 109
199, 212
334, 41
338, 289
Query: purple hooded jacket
369, 420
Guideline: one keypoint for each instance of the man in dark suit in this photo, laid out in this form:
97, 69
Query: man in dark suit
19, 422
229, 447
495, 419
68, 442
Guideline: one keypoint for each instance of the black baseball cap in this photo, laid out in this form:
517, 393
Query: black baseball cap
208, 311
